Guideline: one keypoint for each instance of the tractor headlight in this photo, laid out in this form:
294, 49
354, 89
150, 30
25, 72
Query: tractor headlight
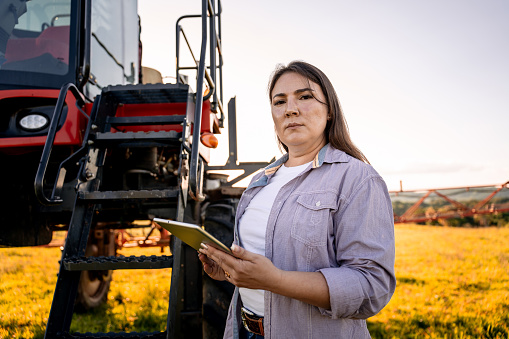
34, 122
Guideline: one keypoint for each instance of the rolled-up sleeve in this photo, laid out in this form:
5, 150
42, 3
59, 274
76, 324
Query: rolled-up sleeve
363, 228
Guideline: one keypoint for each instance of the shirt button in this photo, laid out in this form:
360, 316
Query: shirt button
318, 204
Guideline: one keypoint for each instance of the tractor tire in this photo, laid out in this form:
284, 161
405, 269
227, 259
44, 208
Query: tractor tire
94, 286
219, 220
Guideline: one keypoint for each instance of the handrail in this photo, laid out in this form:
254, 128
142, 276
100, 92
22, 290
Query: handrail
179, 29
220, 50
215, 41
212, 53
195, 155
211, 83
202, 75
52, 131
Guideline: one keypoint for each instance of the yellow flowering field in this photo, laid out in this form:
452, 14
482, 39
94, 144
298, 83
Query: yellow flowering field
452, 283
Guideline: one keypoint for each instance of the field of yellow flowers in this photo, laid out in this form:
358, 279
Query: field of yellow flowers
452, 283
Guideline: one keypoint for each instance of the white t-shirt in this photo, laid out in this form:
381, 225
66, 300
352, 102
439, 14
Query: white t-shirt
253, 226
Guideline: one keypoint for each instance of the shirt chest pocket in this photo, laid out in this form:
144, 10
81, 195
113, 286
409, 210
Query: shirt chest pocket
312, 217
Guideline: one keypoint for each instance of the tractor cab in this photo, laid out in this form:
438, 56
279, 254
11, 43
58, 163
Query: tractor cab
35, 40
43, 44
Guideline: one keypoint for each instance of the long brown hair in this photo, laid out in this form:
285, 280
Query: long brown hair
336, 130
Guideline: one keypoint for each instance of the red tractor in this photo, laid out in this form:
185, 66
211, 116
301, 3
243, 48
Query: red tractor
86, 147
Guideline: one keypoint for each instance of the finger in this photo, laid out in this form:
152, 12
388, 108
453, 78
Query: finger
210, 267
239, 252
206, 263
224, 260
242, 253
204, 259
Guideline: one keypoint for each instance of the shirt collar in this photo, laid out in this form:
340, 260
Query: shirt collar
326, 154
330, 155
317, 161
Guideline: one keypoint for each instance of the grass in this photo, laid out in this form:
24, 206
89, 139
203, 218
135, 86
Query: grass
137, 301
452, 283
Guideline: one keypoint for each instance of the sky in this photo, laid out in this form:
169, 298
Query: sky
424, 85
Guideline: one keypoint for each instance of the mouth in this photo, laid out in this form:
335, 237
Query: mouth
293, 125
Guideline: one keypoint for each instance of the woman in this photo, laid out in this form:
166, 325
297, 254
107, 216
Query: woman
314, 235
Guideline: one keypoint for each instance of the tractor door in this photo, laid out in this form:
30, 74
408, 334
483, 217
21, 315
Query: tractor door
114, 44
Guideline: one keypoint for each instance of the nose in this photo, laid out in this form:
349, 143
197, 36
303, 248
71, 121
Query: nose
291, 108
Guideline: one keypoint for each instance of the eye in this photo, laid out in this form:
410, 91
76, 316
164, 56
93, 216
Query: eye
278, 102
306, 97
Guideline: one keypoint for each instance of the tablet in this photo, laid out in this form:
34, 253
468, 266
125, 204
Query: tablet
191, 234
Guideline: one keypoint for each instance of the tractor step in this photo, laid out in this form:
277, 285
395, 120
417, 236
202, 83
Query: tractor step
140, 139
112, 335
148, 120
129, 195
117, 263
148, 93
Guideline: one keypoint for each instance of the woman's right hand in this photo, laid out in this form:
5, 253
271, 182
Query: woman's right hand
211, 267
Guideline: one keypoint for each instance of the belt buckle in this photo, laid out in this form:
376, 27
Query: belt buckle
245, 314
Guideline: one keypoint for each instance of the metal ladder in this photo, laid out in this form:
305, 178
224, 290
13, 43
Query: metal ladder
184, 296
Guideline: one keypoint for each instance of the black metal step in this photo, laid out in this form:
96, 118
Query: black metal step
100, 196
146, 120
118, 263
112, 335
141, 139
148, 93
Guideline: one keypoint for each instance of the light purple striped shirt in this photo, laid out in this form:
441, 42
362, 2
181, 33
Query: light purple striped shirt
336, 218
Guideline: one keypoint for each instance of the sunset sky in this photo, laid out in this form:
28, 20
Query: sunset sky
424, 84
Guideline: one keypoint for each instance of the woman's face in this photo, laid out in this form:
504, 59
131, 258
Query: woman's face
299, 118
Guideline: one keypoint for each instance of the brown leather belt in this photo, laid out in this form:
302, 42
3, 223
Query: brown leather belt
252, 322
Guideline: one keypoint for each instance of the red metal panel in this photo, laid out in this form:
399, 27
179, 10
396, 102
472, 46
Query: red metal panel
71, 133
162, 109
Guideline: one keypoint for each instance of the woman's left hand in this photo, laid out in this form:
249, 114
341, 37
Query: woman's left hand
244, 268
